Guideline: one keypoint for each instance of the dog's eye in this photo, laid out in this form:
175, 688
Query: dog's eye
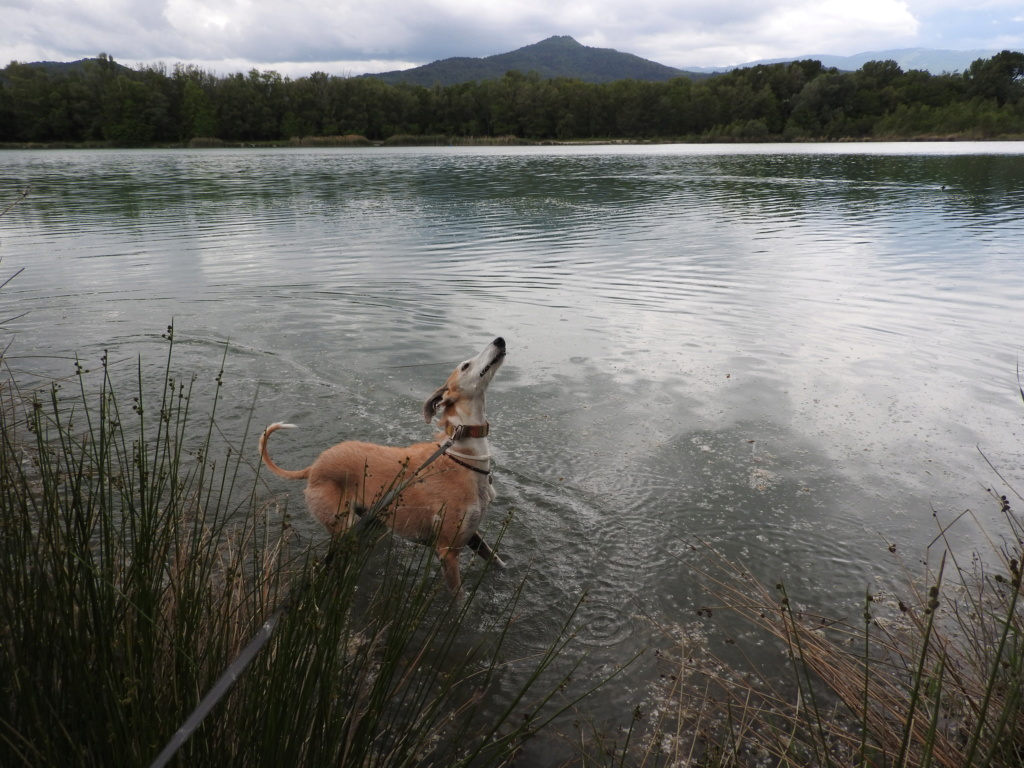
465, 366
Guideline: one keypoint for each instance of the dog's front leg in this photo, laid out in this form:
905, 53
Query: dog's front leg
483, 549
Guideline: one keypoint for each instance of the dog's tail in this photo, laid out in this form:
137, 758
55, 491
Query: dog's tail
300, 474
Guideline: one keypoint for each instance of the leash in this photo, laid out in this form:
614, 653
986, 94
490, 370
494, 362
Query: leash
375, 510
234, 671
223, 685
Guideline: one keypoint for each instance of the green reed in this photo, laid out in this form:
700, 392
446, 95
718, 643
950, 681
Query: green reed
446, 140
347, 140
139, 556
938, 679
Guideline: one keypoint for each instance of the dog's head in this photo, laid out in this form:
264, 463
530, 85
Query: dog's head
463, 394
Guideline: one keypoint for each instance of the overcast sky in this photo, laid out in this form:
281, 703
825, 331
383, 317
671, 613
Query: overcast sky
349, 37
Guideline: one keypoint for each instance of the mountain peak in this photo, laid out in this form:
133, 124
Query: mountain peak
565, 41
556, 56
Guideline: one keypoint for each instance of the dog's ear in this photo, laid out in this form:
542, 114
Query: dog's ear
430, 406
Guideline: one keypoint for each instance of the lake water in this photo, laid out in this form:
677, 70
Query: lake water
793, 352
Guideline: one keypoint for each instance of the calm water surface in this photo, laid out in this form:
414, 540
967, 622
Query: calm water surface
791, 352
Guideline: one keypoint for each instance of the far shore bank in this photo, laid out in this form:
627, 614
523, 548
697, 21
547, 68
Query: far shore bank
485, 141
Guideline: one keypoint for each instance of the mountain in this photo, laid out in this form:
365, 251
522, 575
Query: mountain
934, 61
559, 56
65, 67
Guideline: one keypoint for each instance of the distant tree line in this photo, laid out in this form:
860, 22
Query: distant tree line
102, 101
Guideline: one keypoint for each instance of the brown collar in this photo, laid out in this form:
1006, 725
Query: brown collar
467, 430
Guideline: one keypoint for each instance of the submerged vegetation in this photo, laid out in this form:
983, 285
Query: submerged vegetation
101, 103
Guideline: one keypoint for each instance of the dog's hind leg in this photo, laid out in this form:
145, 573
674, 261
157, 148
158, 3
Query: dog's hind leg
372, 523
449, 557
483, 549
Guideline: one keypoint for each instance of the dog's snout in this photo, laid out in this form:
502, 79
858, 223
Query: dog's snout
499, 343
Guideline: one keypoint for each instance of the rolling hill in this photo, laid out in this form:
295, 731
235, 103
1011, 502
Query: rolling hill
931, 60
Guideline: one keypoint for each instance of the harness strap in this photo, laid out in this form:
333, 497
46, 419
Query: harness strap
468, 466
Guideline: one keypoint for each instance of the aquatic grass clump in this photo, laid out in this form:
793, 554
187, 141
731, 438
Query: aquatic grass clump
416, 140
205, 142
448, 140
508, 140
932, 677
138, 559
120, 574
348, 140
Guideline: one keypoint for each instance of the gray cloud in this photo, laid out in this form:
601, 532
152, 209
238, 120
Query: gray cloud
351, 37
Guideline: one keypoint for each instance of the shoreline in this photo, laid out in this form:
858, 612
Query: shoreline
431, 141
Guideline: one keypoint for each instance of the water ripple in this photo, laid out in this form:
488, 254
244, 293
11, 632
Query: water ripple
780, 350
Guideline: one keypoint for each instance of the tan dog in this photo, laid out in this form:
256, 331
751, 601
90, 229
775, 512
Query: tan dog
444, 504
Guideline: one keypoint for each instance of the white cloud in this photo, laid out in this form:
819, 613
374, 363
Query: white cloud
843, 27
786, 29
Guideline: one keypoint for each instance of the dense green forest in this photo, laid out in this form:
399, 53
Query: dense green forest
101, 102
